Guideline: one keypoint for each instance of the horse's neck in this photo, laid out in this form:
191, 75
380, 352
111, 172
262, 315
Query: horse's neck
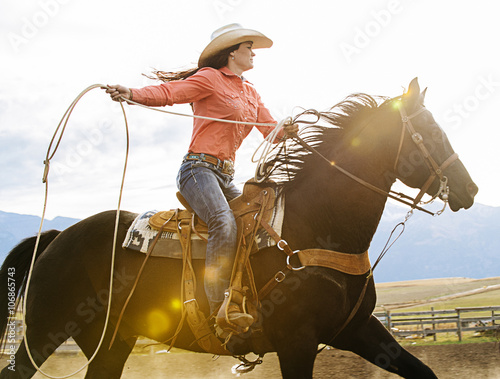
333, 212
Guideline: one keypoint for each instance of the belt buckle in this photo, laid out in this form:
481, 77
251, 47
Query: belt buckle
228, 167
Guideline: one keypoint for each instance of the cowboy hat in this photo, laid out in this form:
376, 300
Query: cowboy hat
230, 35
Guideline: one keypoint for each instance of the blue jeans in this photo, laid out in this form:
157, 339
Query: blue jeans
208, 191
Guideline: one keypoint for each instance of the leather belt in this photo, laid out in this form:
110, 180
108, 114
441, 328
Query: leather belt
226, 167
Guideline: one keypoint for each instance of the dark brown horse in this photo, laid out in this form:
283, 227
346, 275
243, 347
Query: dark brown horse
324, 209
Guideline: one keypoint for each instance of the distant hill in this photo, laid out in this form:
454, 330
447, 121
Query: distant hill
16, 227
461, 244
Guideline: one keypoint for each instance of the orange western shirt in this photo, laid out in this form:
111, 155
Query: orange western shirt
218, 94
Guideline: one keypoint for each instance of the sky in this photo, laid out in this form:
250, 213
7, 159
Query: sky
323, 51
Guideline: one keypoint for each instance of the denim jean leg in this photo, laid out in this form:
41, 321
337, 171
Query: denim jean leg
230, 190
204, 189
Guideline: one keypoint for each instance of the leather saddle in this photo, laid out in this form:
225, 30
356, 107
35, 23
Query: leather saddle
244, 208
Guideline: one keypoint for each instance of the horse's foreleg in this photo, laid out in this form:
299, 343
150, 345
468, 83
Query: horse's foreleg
296, 352
372, 341
108, 363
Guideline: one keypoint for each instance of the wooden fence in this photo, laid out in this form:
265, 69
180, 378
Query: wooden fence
430, 323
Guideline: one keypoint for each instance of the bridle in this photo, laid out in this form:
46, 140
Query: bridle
436, 171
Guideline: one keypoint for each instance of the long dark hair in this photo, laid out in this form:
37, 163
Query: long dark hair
216, 61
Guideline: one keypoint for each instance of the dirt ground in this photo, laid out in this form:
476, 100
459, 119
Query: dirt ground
474, 361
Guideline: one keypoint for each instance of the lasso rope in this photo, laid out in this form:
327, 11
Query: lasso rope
56, 140
196, 116
63, 123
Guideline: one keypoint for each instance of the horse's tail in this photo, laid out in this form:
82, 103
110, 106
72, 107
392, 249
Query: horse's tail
14, 273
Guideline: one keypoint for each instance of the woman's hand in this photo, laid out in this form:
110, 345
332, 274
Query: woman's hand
118, 92
291, 130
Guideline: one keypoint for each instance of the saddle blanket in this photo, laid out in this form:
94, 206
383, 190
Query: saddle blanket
141, 235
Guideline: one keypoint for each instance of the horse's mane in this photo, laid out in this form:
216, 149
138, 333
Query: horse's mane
349, 116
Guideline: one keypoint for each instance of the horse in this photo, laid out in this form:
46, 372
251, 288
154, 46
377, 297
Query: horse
325, 208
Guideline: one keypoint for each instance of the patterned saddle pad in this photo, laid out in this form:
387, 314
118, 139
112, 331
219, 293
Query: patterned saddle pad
141, 235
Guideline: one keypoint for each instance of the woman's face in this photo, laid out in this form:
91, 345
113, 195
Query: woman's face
243, 57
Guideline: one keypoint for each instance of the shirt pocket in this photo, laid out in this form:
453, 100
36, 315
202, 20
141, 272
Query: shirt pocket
232, 100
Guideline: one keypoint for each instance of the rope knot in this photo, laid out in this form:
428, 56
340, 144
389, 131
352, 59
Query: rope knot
46, 162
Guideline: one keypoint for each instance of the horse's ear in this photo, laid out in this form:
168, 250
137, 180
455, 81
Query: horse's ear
412, 96
422, 96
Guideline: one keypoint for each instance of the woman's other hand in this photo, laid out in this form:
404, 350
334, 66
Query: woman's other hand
118, 92
291, 130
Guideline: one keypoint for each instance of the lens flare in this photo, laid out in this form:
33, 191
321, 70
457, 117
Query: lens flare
355, 142
158, 322
176, 304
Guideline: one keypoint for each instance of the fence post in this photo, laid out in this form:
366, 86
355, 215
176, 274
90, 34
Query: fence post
459, 326
389, 323
433, 324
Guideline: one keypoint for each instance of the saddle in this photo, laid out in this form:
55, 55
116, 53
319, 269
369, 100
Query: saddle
244, 208
251, 209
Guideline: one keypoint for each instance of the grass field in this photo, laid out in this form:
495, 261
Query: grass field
441, 294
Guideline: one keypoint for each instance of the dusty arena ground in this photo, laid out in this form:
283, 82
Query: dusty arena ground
474, 361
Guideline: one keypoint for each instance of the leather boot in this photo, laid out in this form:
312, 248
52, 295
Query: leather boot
237, 317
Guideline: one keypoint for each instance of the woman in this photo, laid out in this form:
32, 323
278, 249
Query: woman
216, 88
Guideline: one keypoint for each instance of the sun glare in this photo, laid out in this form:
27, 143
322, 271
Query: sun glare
158, 322
355, 142
175, 304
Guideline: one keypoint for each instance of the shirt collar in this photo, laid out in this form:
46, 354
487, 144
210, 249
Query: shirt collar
226, 71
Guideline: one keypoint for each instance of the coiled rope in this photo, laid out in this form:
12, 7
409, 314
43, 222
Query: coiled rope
57, 137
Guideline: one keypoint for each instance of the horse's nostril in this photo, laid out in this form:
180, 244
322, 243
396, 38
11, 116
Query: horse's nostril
472, 189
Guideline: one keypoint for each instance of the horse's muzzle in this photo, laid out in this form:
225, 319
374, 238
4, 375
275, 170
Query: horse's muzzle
472, 189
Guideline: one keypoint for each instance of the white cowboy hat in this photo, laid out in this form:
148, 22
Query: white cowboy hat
230, 35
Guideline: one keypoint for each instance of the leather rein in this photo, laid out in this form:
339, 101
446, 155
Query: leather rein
436, 171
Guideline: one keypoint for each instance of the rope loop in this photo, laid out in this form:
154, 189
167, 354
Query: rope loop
56, 140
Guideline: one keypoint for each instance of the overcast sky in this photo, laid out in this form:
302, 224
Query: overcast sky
323, 51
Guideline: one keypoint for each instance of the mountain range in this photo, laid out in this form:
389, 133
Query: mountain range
462, 244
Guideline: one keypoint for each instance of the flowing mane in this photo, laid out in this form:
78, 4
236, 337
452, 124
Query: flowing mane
344, 119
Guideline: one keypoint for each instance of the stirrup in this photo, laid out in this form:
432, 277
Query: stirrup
231, 317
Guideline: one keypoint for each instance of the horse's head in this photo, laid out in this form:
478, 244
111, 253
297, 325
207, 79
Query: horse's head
425, 157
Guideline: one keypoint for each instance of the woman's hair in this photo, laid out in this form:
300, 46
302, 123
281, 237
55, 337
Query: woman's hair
216, 61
